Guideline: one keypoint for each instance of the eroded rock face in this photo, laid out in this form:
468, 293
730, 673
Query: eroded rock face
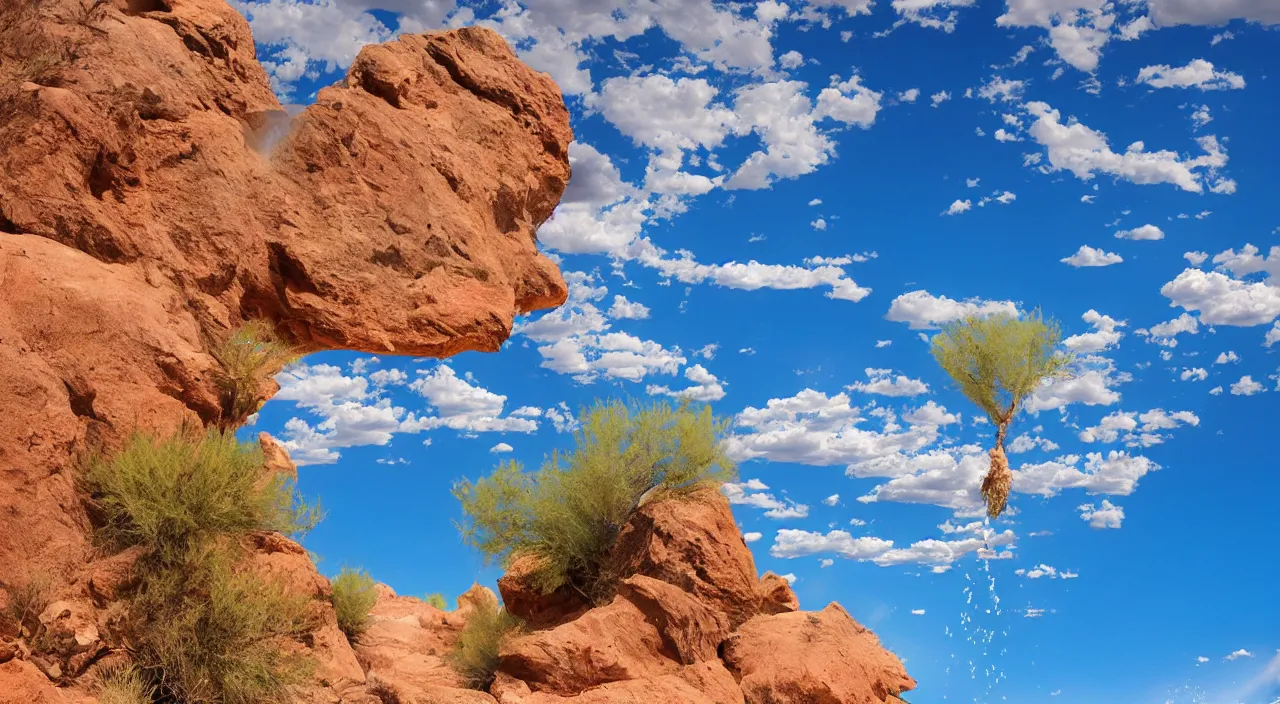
692, 623
154, 195
813, 658
695, 545
142, 216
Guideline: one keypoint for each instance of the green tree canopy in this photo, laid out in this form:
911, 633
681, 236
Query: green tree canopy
569, 512
998, 361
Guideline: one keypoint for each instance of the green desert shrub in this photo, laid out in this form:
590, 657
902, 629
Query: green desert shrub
208, 633
569, 512
124, 684
475, 656
354, 595
171, 494
27, 599
437, 600
250, 354
202, 626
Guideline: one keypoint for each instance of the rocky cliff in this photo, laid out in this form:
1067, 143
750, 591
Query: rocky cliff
154, 195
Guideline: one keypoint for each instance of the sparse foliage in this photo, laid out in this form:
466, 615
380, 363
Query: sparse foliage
28, 599
354, 595
998, 361
252, 353
124, 684
203, 628
475, 657
438, 601
208, 633
170, 494
569, 512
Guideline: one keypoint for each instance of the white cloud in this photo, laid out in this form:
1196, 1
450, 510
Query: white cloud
740, 494
922, 310
1241, 653
1138, 430
1108, 515
819, 224
1272, 336
917, 612
501, 447
882, 382
706, 386
352, 414
1027, 443
1227, 357
1104, 337
1246, 387
1212, 12
1091, 385
630, 310
1085, 152
910, 95
1078, 29
831, 500
1166, 333
1146, 232
883, 343
930, 414
1197, 74
1001, 89
815, 429
939, 98
1088, 256
752, 537
1222, 300
959, 206
1116, 473
1194, 374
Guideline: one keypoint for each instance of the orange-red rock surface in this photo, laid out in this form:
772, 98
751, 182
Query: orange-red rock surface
154, 195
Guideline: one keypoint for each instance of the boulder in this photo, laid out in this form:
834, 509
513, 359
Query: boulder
694, 544
690, 629
813, 658
704, 683
22, 683
407, 645
526, 601
609, 643
776, 595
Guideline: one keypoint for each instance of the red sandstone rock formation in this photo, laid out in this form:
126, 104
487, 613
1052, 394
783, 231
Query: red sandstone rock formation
153, 195
691, 622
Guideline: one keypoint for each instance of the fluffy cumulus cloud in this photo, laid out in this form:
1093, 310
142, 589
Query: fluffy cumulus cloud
706, 387
1090, 256
884, 383
923, 310
1146, 232
1138, 429
753, 493
1104, 515
816, 429
1074, 147
1197, 74
1115, 473
350, 411
792, 543
1104, 337
1077, 29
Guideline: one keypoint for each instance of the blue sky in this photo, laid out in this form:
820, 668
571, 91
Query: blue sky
773, 207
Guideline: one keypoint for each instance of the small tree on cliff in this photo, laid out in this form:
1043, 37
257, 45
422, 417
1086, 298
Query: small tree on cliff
997, 362
568, 513
252, 353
